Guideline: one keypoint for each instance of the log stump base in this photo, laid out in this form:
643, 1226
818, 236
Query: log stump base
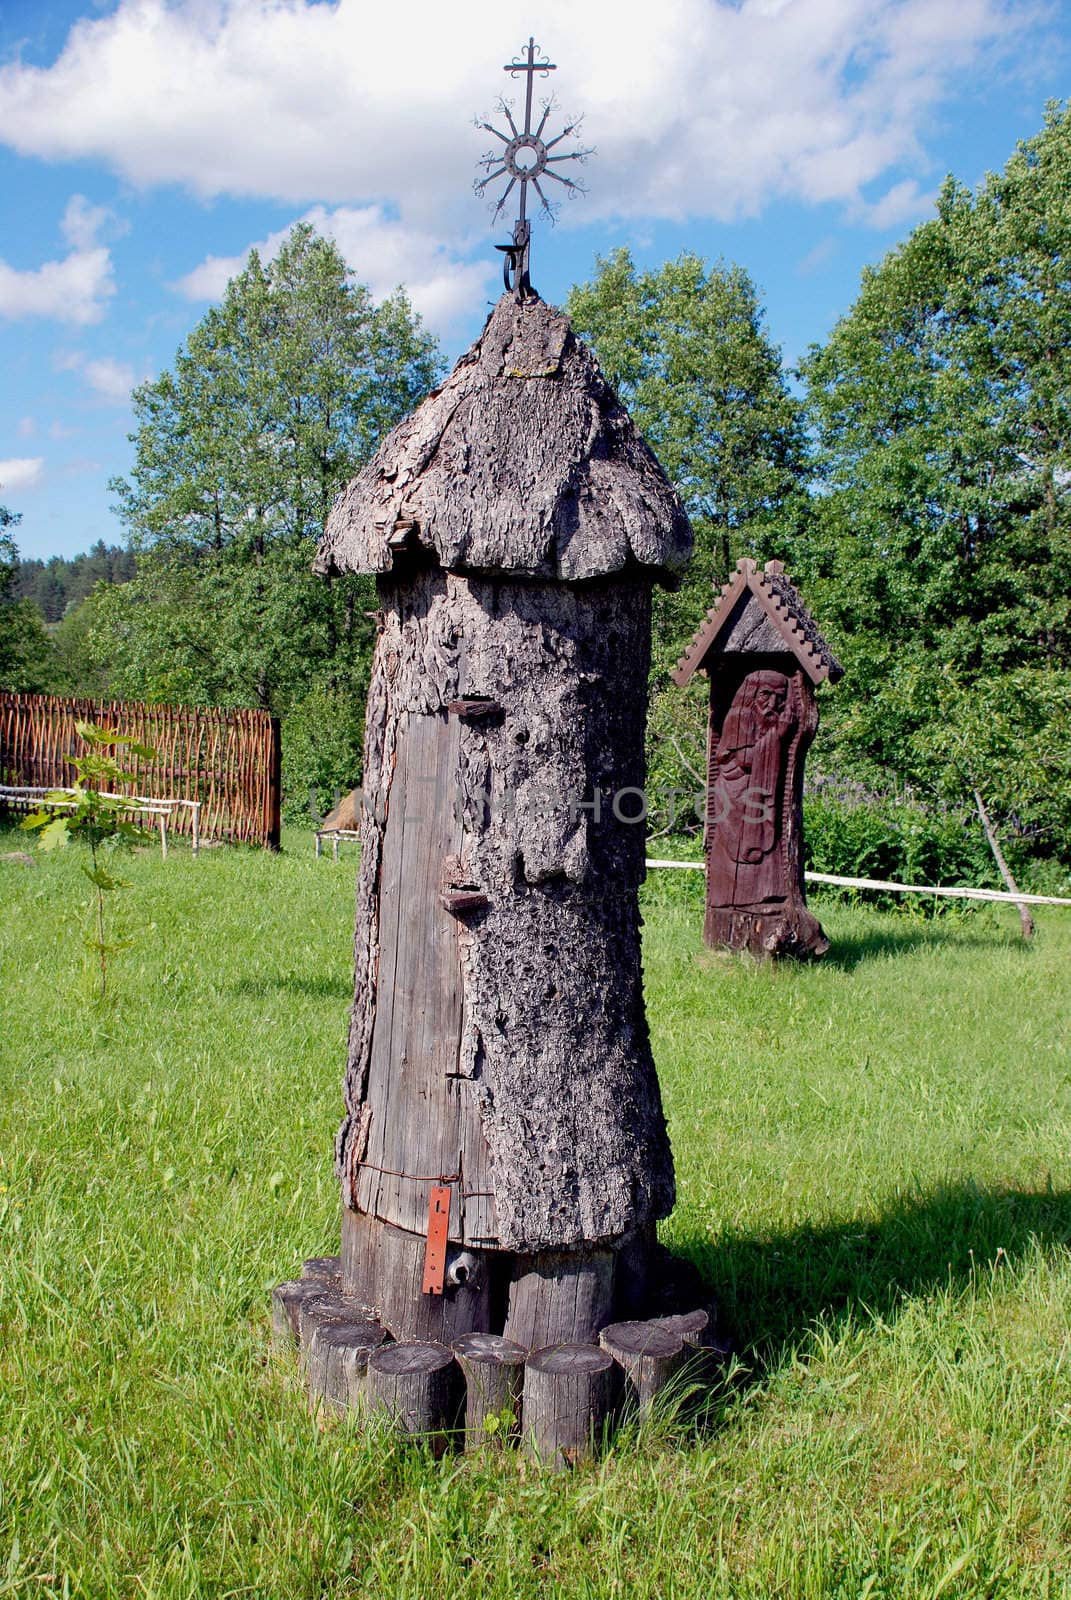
556, 1401
775, 932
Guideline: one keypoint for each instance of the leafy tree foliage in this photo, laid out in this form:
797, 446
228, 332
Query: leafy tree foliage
278, 395
686, 349
939, 551
26, 657
94, 813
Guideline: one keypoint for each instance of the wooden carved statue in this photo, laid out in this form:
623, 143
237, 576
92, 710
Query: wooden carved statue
503, 1157
764, 657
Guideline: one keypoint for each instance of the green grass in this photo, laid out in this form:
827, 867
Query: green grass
874, 1164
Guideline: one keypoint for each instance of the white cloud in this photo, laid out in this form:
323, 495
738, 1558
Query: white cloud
20, 473
74, 289
383, 254
27, 427
71, 290
110, 379
82, 222
697, 107
80, 467
904, 202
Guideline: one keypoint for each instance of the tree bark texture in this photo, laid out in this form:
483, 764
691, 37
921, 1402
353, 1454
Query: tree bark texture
502, 1048
523, 461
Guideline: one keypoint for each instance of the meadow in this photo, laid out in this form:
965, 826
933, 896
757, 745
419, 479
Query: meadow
874, 1172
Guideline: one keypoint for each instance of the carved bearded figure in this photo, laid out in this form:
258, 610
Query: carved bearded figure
747, 775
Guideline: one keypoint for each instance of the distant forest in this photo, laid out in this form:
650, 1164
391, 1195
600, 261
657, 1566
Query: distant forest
57, 585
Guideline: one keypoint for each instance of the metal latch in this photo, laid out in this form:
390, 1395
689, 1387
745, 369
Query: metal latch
438, 1228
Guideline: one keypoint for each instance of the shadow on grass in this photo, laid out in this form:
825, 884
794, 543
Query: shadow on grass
771, 1291
850, 950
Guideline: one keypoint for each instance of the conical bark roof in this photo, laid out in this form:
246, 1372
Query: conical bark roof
523, 462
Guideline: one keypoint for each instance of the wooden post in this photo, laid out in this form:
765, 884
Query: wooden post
1026, 921
196, 826
286, 1301
494, 1380
275, 786
560, 1297
318, 1310
338, 1362
568, 1390
326, 1269
691, 1325
415, 1384
648, 1353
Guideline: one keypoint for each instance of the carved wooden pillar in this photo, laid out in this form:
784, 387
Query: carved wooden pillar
764, 656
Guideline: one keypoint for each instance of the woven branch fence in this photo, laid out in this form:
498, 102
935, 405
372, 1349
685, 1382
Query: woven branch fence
228, 760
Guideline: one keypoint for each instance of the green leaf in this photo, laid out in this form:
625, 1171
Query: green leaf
101, 878
55, 834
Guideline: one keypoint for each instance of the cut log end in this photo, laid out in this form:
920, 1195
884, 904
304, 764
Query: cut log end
568, 1389
325, 1269
337, 1362
494, 1381
318, 1310
649, 1353
286, 1301
414, 1384
693, 1326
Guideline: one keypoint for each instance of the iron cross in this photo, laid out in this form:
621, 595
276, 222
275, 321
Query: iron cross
525, 158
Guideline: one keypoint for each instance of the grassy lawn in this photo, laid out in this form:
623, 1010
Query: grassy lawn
874, 1169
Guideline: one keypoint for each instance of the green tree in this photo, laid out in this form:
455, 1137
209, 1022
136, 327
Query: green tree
92, 812
276, 398
686, 349
57, 585
26, 655
939, 551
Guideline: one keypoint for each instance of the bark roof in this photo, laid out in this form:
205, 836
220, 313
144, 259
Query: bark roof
781, 621
524, 461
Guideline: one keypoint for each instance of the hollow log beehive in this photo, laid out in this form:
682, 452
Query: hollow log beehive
503, 1157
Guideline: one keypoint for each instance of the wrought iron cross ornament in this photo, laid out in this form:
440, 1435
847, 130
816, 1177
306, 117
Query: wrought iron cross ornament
525, 158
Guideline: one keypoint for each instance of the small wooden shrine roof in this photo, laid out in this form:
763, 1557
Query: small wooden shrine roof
760, 613
524, 462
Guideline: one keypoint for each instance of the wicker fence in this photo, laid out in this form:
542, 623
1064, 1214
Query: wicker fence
228, 760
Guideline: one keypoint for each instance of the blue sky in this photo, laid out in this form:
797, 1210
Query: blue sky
145, 146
